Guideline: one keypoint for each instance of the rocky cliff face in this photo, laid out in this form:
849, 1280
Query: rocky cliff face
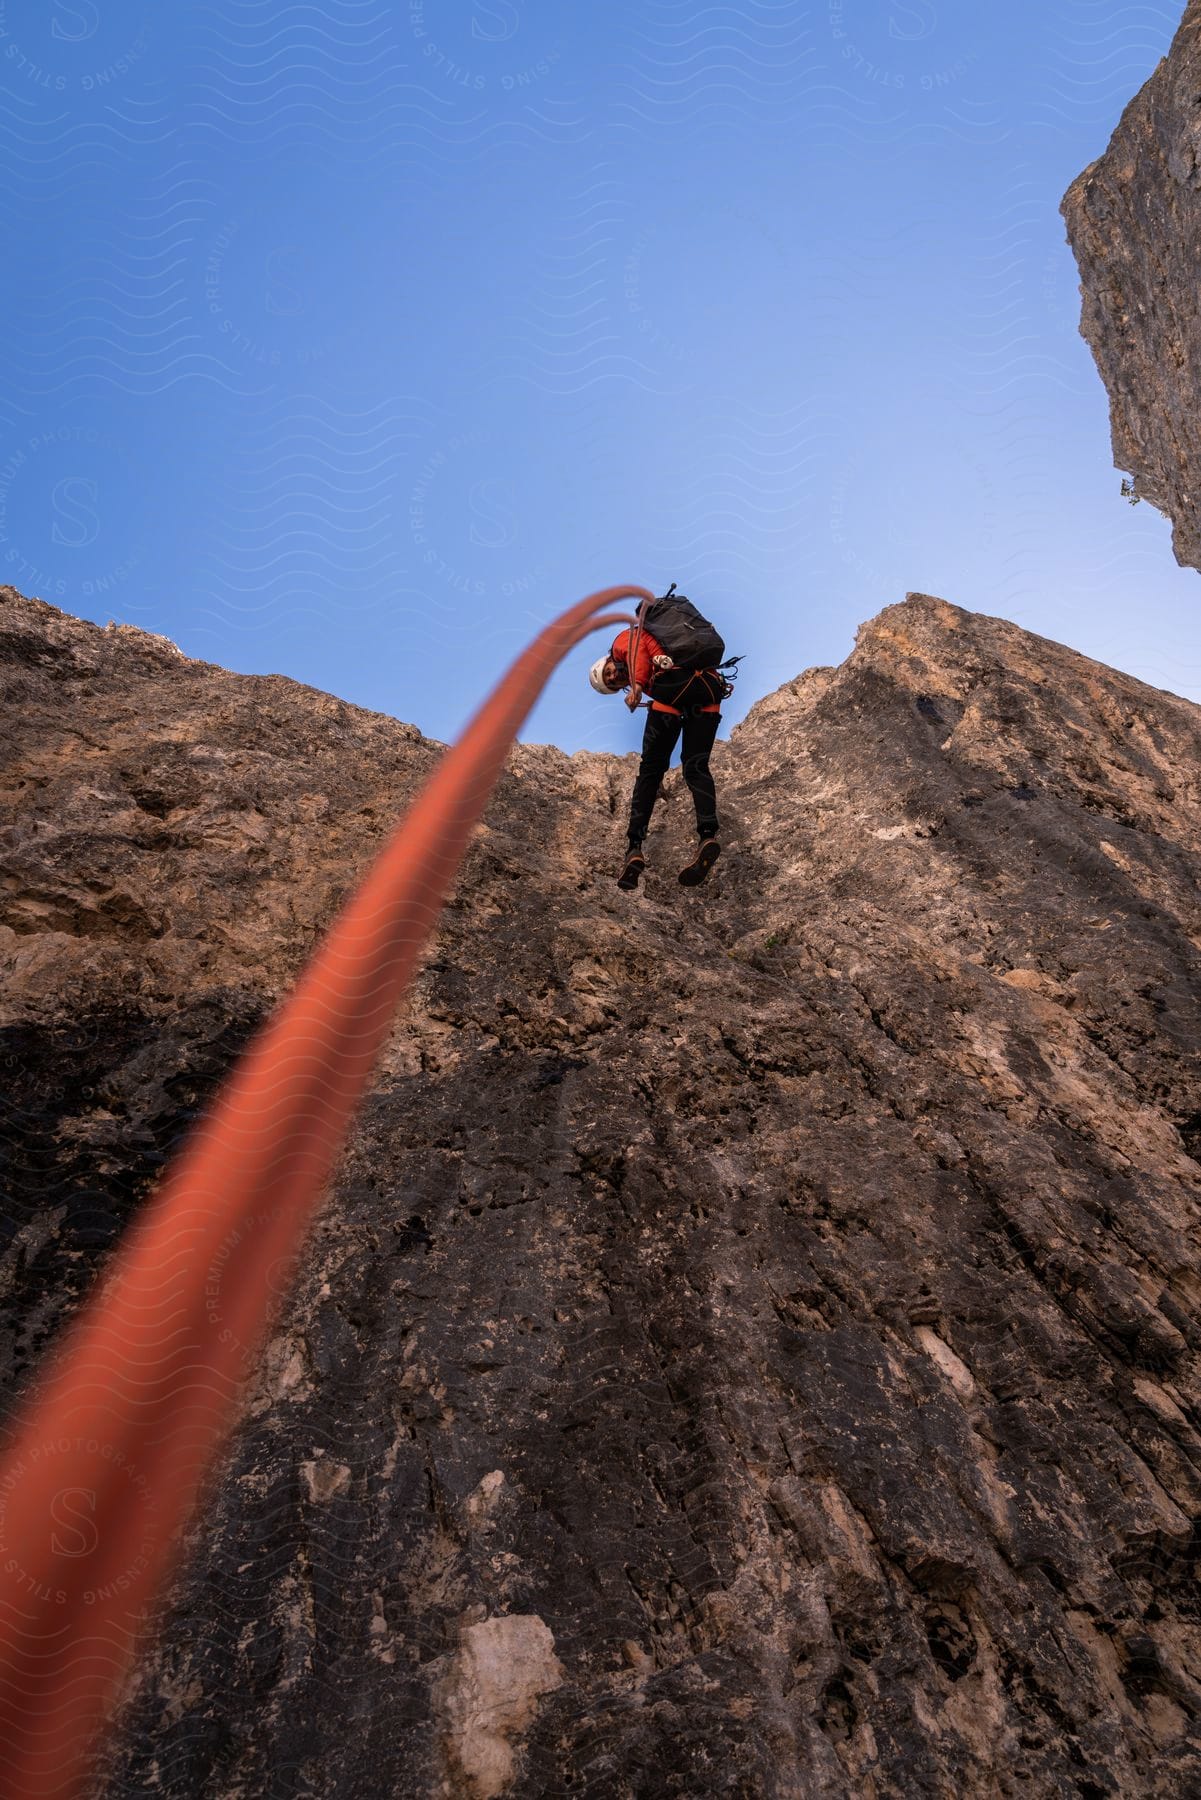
1134, 221
752, 1344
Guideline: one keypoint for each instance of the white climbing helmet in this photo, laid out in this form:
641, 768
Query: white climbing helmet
596, 676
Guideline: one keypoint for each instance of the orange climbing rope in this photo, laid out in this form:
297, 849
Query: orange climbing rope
109, 1451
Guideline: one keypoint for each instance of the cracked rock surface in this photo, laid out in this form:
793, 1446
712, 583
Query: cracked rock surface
751, 1346
1134, 222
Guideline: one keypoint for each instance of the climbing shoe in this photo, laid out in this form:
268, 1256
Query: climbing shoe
634, 864
702, 862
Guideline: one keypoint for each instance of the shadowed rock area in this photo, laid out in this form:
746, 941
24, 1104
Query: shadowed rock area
1134, 222
751, 1347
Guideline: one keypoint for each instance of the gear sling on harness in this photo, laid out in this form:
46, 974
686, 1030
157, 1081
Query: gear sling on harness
690, 691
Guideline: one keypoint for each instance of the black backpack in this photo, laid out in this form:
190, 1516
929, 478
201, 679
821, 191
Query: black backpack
687, 637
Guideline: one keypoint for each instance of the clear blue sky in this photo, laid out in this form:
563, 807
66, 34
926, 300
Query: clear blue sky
354, 339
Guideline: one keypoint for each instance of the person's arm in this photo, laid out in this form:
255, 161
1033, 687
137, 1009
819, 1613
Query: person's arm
643, 671
620, 652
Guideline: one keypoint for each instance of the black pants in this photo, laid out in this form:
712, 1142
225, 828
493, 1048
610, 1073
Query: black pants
658, 742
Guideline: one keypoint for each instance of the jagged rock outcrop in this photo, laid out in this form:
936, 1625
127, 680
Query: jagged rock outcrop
1134, 222
752, 1343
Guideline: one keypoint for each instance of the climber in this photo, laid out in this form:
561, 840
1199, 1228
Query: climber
681, 699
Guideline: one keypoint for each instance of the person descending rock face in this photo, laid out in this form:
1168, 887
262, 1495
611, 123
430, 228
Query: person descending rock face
685, 691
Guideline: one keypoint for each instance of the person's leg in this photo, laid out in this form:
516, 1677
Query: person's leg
700, 731
658, 742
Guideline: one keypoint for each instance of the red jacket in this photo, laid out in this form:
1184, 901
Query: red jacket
643, 673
